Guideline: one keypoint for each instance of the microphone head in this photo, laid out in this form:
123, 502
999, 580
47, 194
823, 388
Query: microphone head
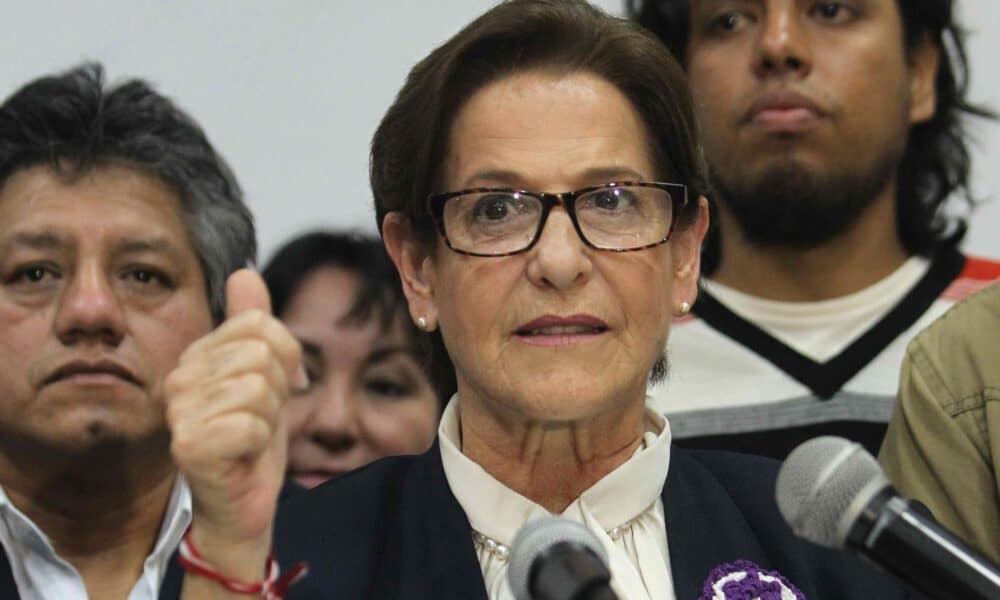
823, 487
535, 539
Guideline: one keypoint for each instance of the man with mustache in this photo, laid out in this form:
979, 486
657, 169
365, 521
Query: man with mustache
834, 136
119, 224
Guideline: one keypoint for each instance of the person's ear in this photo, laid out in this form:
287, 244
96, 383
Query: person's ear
924, 62
415, 268
686, 255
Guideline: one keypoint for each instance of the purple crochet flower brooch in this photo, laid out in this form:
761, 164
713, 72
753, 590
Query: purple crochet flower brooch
744, 580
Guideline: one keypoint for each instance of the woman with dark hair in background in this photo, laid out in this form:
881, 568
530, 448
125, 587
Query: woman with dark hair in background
370, 393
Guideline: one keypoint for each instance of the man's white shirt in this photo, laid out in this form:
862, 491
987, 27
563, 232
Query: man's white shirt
41, 574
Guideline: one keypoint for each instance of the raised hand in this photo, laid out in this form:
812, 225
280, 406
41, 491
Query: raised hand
229, 438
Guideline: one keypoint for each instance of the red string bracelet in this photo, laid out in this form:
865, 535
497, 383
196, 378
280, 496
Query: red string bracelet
272, 587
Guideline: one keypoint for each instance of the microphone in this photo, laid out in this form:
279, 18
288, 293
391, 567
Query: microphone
833, 493
557, 559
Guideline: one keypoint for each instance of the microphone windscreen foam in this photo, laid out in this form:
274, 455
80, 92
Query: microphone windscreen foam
824, 485
538, 536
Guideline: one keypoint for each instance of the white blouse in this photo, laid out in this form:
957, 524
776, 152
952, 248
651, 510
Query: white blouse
624, 510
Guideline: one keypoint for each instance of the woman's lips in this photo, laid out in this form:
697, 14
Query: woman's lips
553, 330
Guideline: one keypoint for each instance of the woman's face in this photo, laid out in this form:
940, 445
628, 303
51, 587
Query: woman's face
368, 396
510, 322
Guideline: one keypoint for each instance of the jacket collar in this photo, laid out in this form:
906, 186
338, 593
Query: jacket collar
704, 527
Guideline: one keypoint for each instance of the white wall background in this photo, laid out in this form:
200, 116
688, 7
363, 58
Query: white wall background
291, 91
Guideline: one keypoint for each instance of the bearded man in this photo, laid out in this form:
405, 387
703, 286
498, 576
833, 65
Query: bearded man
834, 136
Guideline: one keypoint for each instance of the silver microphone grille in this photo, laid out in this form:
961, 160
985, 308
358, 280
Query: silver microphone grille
538, 536
824, 485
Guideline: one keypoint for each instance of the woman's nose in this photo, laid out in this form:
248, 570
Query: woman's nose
559, 258
335, 423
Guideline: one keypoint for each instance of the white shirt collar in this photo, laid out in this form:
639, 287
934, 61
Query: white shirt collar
629, 496
821, 330
43, 575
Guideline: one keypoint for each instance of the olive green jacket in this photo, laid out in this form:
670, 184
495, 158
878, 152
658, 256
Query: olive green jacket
943, 442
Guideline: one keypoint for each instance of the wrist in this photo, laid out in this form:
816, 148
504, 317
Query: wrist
243, 559
270, 584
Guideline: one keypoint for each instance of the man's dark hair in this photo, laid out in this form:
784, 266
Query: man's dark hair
73, 124
936, 162
550, 36
379, 296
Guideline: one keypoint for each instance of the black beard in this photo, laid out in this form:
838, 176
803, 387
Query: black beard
792, 206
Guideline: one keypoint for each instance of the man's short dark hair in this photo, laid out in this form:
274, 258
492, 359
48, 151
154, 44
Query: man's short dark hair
936, 163
379, 296
73, 124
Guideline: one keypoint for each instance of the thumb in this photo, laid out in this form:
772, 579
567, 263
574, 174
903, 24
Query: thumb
245, 290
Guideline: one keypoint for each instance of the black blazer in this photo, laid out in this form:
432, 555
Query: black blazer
393, 530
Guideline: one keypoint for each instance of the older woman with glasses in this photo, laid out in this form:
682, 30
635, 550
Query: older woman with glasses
540, 190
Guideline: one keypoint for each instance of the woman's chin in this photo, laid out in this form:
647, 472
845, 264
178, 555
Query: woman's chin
573, 402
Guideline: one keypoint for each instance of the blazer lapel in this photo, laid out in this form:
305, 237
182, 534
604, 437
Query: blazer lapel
454, 568
704, 528
437, 558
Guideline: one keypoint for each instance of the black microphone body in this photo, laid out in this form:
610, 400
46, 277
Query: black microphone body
553, 558
570, 571
832, 492
901, 537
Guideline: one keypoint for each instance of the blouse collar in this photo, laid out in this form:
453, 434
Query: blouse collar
498, 512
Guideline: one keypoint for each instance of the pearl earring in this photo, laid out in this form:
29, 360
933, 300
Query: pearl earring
422, 323
685, 308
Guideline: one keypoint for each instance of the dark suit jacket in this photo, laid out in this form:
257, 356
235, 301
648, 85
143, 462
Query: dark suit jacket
393, 530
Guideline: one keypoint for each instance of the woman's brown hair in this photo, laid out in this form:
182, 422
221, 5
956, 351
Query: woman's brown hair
557, 36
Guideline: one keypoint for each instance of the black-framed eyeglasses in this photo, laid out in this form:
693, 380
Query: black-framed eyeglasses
618, 217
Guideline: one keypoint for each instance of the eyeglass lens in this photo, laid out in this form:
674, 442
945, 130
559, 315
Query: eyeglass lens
616, 218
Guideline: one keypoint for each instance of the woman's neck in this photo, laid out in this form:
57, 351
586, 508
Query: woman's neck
550, 463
